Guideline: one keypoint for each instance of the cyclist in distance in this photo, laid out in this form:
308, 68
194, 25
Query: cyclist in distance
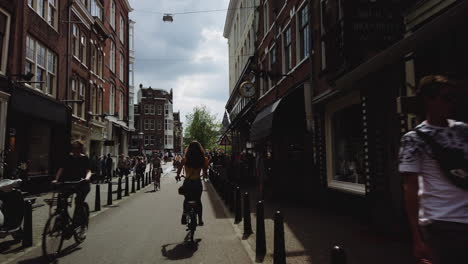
76, 167
195, 163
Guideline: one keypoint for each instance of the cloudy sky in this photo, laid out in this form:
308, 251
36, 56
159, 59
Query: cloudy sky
189, 55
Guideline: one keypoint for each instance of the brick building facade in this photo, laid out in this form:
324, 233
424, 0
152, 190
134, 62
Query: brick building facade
154, 122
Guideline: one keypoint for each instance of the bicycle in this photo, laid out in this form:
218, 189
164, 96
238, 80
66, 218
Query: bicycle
60, 226
191, 218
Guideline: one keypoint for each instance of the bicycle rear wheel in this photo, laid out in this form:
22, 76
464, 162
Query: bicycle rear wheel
52, 238
82, 230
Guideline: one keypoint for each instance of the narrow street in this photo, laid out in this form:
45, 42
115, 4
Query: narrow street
145, 228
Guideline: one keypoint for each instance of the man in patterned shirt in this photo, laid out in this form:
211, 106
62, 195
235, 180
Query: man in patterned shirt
436, 208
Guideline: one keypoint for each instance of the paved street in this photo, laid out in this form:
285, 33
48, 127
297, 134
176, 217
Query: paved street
145, 228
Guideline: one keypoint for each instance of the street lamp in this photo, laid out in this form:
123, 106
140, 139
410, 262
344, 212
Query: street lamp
140, 136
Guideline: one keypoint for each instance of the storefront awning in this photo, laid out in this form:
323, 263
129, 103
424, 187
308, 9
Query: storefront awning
39, 106
261, 127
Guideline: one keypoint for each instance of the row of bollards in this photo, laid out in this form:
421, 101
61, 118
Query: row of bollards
232, 196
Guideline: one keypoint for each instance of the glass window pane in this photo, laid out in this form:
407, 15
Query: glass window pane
348, 145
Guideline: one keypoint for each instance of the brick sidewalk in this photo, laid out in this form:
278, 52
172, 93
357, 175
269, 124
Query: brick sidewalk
9, 250
310, 233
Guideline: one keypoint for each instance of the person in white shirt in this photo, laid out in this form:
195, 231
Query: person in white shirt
437, 209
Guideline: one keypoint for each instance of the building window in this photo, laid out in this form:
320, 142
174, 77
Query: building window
152, 140
112, 56
272, 55
345, 145
112, 14
93, 94
146, 124
112, 100
266, 17
130, 74
47, 9
122, 29
75, 40
159, 125
82, 96
100, 62
83, 44
130, 33
43, 64
146, 107
121, 67
147, 140
96, 9
121, 106
152, 124
287, 50
159, 109
304, 32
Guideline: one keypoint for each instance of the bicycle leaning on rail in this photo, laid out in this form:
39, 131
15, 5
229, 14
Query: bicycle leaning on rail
61, 226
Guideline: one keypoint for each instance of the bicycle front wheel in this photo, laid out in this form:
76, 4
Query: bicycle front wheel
52, 238
83, 219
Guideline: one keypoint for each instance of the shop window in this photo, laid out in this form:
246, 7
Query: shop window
345, 145
39, 145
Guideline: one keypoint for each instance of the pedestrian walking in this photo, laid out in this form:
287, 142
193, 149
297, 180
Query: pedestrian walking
121, 166
103, 168
431, 159
109, 162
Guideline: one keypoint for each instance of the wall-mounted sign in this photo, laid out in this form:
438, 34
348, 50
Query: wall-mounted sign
247, 89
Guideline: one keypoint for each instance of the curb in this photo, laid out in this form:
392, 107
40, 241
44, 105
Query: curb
237, 230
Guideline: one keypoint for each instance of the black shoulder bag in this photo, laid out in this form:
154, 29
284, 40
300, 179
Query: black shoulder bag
451, 161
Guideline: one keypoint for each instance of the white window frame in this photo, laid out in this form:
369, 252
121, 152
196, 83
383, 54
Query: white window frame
76, 41
121, 106
301, 48
47, 6
6, 41
122, 30
285, 36
43, 87
112, 100
112, 56
121, 67
112, 14
266, 18
331, 108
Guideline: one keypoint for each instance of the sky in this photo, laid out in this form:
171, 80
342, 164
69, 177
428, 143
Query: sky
189, 55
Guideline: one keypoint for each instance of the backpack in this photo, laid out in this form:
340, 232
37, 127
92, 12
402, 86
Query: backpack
451, 161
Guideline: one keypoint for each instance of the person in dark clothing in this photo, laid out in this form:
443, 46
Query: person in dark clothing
194, 163
103, 168
76, 167
109, 167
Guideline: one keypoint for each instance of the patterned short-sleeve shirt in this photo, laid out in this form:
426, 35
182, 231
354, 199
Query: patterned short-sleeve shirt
439, 198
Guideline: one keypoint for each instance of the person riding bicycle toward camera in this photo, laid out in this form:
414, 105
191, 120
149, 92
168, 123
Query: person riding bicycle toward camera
195, 163
76, 167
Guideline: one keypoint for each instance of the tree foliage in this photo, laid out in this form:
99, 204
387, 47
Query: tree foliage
203, 127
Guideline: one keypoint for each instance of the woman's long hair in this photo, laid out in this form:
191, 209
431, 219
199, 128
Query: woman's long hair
195, 155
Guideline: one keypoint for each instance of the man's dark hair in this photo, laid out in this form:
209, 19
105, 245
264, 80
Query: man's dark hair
195, 155
430, 86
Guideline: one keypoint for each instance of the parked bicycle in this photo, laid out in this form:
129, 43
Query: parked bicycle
61, 226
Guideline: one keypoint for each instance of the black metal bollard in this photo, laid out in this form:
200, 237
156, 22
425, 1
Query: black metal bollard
247, 220
119, 189
238, 203
260, 247
97, 203
27, 225
138, 182
144, 179
126, 186
109, 193
279, 254
133, 184
337, 255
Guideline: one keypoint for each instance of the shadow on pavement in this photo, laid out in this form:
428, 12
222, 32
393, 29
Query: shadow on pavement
180, 251
6, 246
216, 203
42, 260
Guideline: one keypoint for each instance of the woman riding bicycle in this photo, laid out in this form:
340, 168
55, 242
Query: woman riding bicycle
194, 162
76, 167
